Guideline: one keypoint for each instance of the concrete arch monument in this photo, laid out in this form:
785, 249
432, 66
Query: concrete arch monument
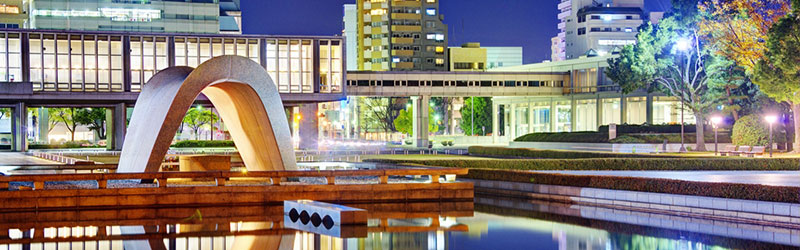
246, 97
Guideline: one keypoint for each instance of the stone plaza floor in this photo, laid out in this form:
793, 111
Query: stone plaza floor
773, 178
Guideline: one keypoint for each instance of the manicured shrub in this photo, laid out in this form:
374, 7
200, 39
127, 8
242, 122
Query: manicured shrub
588, 137
65, 145
203, 144
710, 189
679, 164
752, 130
551, 154
600, 137
642, 129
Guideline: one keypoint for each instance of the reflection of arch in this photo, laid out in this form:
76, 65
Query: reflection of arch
248, 103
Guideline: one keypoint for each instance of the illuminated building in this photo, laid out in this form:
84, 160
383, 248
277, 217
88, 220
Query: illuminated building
401, 35
14, 13
190, 16
596, 28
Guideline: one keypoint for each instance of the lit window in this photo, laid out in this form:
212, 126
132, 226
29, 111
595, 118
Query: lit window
629, 30
439, 49
439, 61
439, 37
430, 12
377, 12
431, 36
607, 18
396, 60
9, 9
431, 1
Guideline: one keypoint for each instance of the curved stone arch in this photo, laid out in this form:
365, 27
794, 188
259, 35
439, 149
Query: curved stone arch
246, 97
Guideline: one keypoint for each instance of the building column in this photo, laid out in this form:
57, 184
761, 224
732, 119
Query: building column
309, 126
348, 113
495, 122
420, 120
512, 125
623, 110
530, 117
599, 113
573, 115
19, 127
553, 116
44, 125
649, 112
117, 128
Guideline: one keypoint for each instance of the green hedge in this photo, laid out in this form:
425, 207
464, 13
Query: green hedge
641, 129
203, 144
69, 144
601, 137
684, 164
551, 154
590, 137
710, 189
671, 138
752, 130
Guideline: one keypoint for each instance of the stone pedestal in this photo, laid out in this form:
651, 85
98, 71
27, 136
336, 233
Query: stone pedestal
201, 163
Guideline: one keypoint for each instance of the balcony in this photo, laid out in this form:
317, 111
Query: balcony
565, 4
406, 28
564, 15
402, 40
403, 65
406, 16
406, 3
402, 52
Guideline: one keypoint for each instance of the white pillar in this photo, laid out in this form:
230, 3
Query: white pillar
420, 120
495, 122
530, 117
19, 123
118, 126
573, 115
553, 116
512, 125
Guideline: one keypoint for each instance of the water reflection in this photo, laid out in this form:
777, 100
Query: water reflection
391, 226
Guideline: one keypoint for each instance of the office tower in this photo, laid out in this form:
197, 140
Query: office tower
597, 27
350, 33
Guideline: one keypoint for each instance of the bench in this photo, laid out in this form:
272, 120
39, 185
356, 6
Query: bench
758, 150
728, 150
742, 150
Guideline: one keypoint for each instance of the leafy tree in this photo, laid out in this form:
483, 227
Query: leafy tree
94, 118
197, 118
65, 116
5, 112
739, 28
778, 73
405, 121
752, 130
379, 114
483, 115
671, 58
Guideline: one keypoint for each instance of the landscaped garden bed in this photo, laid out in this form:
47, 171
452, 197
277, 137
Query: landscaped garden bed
504, 152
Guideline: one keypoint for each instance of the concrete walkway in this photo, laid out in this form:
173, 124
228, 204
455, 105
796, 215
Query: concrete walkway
773, 178
17, 159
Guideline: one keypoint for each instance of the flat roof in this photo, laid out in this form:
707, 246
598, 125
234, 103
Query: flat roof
85, 32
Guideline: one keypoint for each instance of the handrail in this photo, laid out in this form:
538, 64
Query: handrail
221, 176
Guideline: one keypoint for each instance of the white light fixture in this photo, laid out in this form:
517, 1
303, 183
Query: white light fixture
683, 44
771, 119
607, 18
716, 120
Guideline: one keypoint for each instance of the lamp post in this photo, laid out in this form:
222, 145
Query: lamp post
472, 113
683, 45
715, 123
771, 119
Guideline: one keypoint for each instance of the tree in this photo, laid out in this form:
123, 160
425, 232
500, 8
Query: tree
671, 58
197, 118
778, 73
404, 123
94, 118
5, 112
739, 28
379, 114
483, 115
65, 116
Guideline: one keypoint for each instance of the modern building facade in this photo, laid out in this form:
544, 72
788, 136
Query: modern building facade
190, 16
108, 69
497, 57
592, 27
556, 49
350, 32
468, 57
401, 35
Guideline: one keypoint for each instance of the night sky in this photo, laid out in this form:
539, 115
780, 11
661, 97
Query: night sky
527, 23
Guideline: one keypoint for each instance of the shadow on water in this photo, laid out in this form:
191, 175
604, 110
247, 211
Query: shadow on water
489, 223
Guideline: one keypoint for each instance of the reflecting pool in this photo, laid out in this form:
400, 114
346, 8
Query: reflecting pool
489, 223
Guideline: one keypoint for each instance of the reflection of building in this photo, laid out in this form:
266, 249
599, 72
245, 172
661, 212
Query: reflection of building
137, 16
596, 28
400, 35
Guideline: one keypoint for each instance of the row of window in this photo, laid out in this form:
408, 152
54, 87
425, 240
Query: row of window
582, 31
88, 62
457, 83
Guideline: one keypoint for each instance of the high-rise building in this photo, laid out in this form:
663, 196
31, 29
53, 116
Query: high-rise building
189, 16
565, 11
557, 52
351, 35
497, 57
597, 27
401, 35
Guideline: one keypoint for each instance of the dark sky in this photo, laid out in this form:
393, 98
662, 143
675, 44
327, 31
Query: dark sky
527, 23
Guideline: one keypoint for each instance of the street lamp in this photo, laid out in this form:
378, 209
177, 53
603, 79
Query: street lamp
683, 45
771, 119
715, 123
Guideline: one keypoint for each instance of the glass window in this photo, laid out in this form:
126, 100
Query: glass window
636, 110
586, 115
611, 111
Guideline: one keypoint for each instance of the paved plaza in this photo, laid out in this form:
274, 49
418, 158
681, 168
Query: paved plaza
20, 159
773, 178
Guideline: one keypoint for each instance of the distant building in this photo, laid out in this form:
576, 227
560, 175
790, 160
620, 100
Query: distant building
503, 57
597, 27
401, 35
557, 50
468, 57
189, 16
350, 33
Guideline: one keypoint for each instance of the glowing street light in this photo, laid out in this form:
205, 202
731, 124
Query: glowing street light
683, 44
715, 121
771, 119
